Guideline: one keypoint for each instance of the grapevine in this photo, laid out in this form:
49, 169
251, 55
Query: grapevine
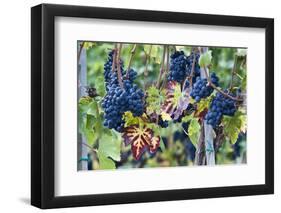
150, 105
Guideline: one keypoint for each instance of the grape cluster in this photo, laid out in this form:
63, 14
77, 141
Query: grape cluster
110, 76
163, 124
119, 100
201, 89
181, 67
196, 72
220, 105
178, 67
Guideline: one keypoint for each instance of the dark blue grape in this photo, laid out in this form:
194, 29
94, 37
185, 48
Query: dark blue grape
196, 72
185, 125
119, 100
110, 76
220, 105
181, 67
163, 124
201, 88
178, 67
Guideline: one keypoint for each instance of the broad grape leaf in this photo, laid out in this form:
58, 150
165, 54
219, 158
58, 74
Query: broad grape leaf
93, 109
176, 100
156, 132
153, 100
233, 125
140, 138
169, 105
105, 162
187, 118
110, 146
194, 131
182, 103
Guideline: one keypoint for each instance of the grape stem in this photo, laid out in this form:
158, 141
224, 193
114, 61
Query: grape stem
133, 51
233, 72
80, 50
216, 88
191, 74
119, 74
167, 66
147, 59
114, 58
162, 68
89, 147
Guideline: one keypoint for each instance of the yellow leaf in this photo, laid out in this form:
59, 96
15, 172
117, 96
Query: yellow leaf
165, 116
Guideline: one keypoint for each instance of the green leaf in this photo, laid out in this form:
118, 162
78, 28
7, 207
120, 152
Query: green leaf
130, 119
203, 104
110, 146
162, 145
99, 85
105, 162
90, 136
98, 129
205, 59
84, 103
187, 118
233, 125
244, 83
93, 109
154, 99
89, 44
194, 131
177, 94
165, 116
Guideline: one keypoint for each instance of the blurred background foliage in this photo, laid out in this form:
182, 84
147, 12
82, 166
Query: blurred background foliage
179, 150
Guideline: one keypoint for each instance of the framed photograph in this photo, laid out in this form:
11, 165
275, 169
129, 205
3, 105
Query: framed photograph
141, 106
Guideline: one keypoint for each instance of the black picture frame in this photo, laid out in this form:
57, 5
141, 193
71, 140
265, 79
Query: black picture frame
43, 102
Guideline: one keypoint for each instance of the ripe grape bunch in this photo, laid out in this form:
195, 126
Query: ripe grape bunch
201, 89
220, 105
178, 67
119, 100
181, 66
196, 72
110, 76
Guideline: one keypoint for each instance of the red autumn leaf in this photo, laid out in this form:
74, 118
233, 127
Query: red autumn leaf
141, 139
169, 105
